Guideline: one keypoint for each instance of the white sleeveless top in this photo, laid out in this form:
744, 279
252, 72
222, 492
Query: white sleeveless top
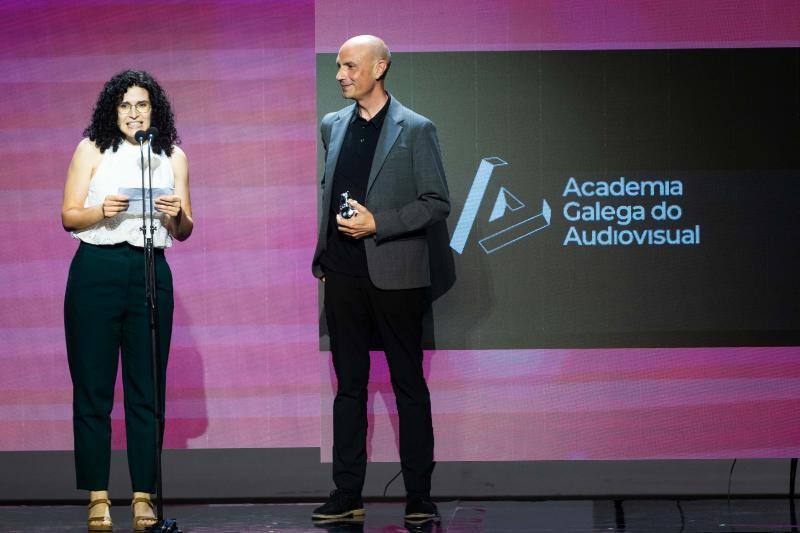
123, 169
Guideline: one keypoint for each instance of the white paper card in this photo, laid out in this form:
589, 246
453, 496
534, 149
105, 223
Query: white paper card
134, 195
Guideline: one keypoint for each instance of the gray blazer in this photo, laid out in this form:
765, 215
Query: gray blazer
406, 193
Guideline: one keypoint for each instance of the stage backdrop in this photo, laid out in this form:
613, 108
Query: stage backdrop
243, 370
623, 180
549, 347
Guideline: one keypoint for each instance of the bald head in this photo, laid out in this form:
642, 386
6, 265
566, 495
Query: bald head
362, 64
373, 46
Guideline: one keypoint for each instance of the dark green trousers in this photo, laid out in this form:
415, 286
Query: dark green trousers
105, 312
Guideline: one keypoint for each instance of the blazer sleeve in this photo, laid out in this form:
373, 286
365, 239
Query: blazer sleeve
325, 135
433, 198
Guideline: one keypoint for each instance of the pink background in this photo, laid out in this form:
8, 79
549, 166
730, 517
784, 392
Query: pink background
244, 364
245, 369
459, 25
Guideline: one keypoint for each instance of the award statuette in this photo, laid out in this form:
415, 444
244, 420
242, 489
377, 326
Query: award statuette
345, 211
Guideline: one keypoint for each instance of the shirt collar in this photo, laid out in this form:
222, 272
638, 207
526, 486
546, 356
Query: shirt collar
377, 120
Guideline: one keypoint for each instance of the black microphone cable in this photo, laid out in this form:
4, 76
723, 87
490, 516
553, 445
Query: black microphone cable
386, 488
730, 478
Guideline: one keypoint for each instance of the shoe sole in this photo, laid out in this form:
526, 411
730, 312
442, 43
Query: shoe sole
357, 521
355, 513
421, 518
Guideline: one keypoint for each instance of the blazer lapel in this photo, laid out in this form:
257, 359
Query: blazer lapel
338, 131
392, 126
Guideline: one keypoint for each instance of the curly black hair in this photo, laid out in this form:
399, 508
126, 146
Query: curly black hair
103, 129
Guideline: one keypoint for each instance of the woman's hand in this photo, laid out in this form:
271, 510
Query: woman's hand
114, 204
170, 205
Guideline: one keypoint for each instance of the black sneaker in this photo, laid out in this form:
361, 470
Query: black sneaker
341, 504
420, 509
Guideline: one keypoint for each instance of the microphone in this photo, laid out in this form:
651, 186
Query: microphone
152, 133
140, 136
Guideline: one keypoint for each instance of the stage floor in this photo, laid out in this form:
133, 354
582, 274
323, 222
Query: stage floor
744, 515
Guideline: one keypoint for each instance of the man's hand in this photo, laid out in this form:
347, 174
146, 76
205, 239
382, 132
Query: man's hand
360, 225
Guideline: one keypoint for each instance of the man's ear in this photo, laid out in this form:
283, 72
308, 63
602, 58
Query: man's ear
380, 69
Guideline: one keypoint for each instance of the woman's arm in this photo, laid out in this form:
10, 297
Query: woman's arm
178, 206
75, 217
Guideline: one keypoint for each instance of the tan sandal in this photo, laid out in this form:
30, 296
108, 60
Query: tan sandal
141, 523
98, 523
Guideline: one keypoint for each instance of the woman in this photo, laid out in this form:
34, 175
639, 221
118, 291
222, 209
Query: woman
104, 306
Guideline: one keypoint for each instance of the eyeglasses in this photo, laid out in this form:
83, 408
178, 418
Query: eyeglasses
142, 107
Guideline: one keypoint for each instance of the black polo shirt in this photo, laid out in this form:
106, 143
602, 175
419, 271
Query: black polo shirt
344, 254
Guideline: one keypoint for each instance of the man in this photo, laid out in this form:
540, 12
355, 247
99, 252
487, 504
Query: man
375, 269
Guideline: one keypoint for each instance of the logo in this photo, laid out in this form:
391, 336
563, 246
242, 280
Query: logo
504, 203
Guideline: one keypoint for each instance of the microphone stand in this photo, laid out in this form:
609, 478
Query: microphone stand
161, 525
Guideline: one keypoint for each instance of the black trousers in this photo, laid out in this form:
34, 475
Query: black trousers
356, 310
105, 311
